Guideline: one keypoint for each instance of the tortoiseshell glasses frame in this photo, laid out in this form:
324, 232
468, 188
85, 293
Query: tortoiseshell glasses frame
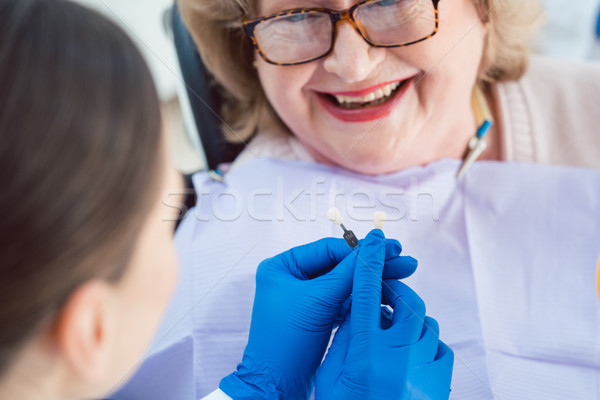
348, 15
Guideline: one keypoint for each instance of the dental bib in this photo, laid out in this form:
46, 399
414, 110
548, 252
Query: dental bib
507, 265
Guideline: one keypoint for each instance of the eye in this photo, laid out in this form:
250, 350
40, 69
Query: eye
297, 17
384, 3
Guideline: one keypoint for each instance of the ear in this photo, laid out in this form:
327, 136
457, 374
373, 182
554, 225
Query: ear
84, 331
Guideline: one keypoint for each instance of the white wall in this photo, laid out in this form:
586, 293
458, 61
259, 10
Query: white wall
570, 28
142, 20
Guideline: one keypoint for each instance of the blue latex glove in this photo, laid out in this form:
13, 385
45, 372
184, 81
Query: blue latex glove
299, 293
376, 355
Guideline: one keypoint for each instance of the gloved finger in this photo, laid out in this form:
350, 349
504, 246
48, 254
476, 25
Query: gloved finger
307, 260
315, 259
343, 312
366, 286
444, 352
409, 311
334, 288
387, 317
435, 375
336, 355
336, 285
393, 248
399, 267
395, 267
426, 349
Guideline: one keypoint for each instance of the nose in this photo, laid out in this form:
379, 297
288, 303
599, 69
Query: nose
352, 59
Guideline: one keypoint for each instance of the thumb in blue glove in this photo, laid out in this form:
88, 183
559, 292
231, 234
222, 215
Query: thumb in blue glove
367, 361
298, 296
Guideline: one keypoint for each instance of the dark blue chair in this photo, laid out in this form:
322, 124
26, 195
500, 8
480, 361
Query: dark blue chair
204, 96
205, 100
598, 26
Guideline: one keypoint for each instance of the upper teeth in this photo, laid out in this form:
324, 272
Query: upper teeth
376, 95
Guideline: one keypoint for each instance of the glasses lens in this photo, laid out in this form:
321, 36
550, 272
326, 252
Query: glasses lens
294, 38
394, 22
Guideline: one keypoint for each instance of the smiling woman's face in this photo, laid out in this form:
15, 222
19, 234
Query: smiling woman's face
427, 117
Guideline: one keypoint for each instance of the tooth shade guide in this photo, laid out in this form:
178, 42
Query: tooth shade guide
335, 216
379, 218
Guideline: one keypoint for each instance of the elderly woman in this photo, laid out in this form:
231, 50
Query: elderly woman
321, 102
372, 94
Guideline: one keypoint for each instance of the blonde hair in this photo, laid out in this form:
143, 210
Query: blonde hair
215, 26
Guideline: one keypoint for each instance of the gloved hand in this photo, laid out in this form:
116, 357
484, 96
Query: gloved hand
378, 356
298, 296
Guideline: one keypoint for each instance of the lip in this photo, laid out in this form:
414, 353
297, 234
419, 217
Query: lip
364, 92
364, 114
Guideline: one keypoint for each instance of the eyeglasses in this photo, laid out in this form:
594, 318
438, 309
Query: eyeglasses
303, 35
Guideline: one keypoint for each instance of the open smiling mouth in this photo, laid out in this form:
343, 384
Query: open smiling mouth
378, 97
362, 106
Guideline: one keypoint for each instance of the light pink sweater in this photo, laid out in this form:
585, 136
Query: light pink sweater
550, 116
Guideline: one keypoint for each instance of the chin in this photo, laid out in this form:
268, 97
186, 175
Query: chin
374, 158
364, 157
368, 164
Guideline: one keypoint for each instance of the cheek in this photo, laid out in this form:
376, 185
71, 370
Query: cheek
145, 294
451, 59
461, 37
163, 273
285, 88
154, 282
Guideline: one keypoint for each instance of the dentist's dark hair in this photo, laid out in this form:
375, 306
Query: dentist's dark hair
80, 146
